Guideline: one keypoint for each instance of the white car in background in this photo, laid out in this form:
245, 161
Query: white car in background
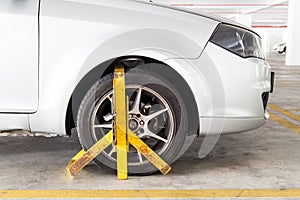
280, 48
187, 73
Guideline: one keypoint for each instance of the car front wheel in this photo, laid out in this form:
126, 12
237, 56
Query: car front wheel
157, 115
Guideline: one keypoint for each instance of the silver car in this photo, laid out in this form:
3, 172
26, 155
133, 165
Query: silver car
187, 73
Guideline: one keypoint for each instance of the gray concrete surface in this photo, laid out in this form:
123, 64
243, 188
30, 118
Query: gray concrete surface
265, 158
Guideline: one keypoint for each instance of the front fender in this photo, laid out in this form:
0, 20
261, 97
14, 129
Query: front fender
158, 44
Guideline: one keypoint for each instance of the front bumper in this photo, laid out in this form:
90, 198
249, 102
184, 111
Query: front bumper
242, 82
229, 90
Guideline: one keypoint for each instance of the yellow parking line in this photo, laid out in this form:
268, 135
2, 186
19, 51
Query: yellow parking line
148, 193
285, 123
285, 112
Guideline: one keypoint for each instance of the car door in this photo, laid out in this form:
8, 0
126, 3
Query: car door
19, 56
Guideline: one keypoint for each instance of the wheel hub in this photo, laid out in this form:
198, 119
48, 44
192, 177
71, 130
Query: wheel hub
133, 124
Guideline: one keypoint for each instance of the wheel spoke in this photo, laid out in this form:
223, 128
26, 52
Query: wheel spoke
149, 117
150, 134
140, 156
137, 101
111, 151
107, 126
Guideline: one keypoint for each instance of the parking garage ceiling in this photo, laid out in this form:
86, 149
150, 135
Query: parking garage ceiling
265, 13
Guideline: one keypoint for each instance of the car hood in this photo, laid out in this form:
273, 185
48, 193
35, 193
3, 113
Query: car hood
199, 13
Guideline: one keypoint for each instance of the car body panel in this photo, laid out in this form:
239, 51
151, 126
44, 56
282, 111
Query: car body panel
195, 12
19, 56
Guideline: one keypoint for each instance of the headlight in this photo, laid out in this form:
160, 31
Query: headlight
239, 41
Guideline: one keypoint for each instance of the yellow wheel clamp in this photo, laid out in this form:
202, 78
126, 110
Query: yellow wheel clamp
120, 136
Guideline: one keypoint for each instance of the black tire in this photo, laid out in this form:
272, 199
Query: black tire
175, 148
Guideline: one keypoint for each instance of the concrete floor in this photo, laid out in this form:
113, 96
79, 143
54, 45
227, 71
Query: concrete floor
265, 158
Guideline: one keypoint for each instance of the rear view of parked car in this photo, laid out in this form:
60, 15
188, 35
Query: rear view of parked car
280, 48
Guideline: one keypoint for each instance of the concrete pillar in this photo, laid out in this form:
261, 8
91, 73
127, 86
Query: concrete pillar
245, 19
293, 42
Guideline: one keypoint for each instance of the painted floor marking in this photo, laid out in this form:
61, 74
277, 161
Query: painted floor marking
149, 193
285, 123
284, 112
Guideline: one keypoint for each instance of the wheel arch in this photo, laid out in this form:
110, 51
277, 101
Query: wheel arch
108, 67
